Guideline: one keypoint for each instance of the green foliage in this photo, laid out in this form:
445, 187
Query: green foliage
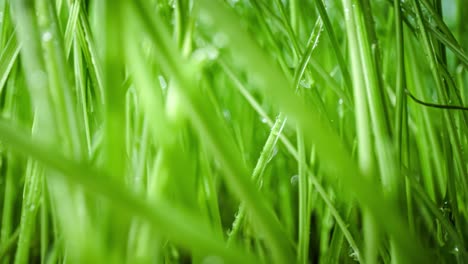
210, 131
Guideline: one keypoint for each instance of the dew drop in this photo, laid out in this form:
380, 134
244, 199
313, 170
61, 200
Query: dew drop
274, 153
209, 53
305, 84
354, 255
227, 114
294, 180
47, 36
346, 11
162, 82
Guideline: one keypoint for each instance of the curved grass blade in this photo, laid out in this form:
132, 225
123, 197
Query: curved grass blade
164, 218
214, 133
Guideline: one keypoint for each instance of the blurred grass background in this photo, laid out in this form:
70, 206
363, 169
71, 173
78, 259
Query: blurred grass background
210, 131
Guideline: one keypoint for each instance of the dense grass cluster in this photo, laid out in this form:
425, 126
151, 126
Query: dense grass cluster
222, 131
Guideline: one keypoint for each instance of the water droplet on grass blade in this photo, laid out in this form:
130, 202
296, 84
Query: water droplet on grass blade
346, 10
162, 82
208, 53
354, 255
273, 154
212, 53
227, 114
294, 180
340, 108
275, 151
305, 84
47, 36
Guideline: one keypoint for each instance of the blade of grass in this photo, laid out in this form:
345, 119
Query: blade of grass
164, 218
334, 42
30, 207
7, 59
434, 65
214, 134
332, 152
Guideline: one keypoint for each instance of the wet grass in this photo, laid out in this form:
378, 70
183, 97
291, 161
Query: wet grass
209, 131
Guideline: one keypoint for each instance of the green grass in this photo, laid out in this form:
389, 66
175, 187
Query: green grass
210, 131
